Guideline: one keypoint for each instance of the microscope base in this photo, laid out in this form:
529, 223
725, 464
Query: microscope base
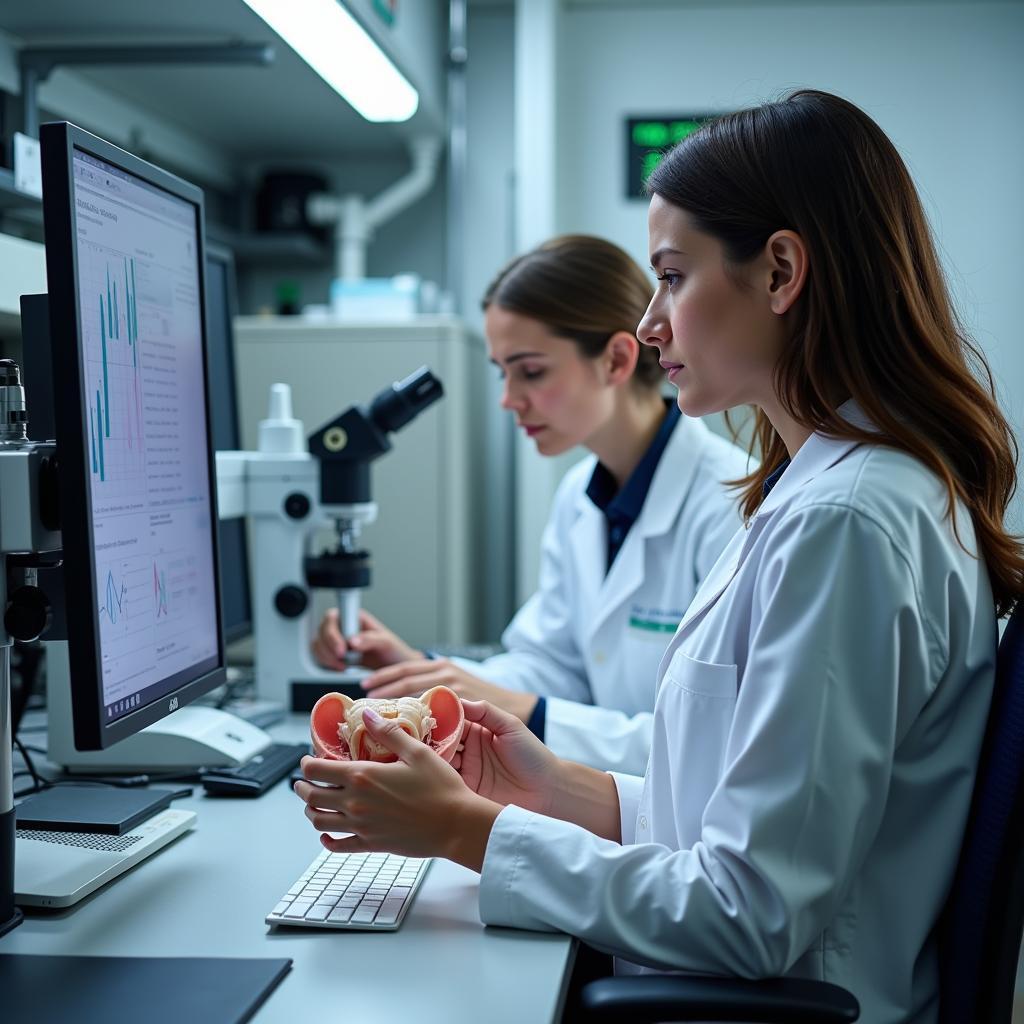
306, 692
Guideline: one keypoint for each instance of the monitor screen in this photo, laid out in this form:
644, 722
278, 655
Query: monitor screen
125, 268
234, 556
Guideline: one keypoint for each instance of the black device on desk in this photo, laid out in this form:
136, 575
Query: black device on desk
107, 809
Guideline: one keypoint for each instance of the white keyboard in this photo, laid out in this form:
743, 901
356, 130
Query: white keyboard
370, 891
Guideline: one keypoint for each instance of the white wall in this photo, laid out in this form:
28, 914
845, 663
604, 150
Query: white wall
944, 80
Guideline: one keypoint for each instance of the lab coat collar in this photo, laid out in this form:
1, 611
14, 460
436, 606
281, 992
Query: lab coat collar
818, 453
672, 481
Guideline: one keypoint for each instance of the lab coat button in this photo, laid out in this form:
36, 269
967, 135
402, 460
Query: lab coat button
598, 657
643, 821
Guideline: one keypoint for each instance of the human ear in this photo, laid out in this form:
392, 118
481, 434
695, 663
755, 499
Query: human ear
788, 265
620, 356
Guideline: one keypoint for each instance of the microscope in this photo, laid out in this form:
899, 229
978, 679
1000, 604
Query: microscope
30, 543
293, 491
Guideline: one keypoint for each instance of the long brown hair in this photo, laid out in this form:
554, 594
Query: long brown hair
875, 321
584, 289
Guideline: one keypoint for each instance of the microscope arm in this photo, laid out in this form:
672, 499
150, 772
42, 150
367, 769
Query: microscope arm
231, 486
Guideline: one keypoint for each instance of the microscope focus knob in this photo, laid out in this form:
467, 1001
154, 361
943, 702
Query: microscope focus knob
28, 614
297, 505
291, 601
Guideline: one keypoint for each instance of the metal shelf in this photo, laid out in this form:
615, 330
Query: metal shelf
250, 248
10, 197
270, 249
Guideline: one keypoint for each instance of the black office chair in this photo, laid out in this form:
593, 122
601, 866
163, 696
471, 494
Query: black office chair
980, 931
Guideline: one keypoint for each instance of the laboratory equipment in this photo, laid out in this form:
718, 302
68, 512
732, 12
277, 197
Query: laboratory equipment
442, 548
29, 537
293, 492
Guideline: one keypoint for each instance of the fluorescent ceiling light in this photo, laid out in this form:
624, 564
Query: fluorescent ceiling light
342, 53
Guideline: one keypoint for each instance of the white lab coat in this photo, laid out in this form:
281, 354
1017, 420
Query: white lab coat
819, 716
591, 642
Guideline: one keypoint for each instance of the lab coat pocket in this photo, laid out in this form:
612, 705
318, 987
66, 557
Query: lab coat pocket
702, 677
692, 722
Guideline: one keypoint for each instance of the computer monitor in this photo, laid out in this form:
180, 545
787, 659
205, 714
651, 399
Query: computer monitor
236, 601
126, 281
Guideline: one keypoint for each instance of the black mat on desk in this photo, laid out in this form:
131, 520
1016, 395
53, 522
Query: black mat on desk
157, 990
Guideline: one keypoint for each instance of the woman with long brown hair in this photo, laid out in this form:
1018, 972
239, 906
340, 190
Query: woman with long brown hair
822, 705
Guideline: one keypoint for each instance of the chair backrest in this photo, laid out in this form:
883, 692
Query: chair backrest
985, 911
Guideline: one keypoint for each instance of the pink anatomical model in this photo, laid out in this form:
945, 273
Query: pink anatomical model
336, 724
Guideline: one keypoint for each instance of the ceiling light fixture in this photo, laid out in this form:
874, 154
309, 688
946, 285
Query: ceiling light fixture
330, 40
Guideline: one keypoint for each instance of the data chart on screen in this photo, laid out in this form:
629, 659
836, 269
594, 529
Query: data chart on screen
137, 252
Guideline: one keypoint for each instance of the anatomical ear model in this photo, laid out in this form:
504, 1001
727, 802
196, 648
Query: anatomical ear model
336, 724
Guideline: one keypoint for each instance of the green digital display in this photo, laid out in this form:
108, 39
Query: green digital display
647, 140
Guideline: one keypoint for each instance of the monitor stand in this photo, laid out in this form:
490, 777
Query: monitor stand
188, 739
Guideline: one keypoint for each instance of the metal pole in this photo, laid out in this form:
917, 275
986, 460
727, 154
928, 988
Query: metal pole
29, 102
457, 58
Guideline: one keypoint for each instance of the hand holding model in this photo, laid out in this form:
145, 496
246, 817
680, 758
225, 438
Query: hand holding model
421, 806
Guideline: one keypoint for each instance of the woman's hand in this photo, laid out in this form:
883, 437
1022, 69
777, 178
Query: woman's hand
417, 806
504, 762
411, 678
375, 643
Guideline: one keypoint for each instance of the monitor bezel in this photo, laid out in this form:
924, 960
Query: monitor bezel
222, 254
58, 142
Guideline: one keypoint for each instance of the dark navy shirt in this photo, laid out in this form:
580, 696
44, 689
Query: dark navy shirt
621, 510
773, 477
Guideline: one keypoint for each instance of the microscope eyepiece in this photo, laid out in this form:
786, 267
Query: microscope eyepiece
404, 400
347, 445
